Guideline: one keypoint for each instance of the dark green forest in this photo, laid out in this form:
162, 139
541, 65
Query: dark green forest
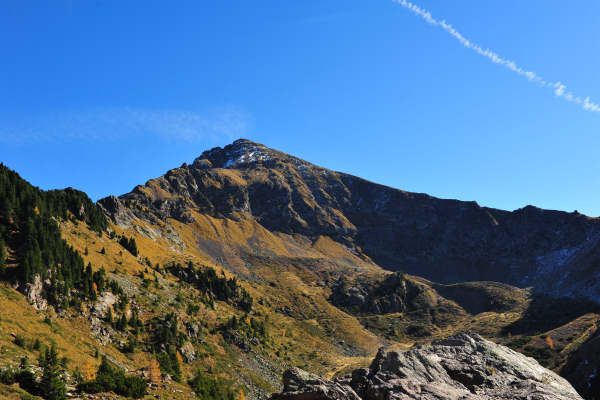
215, 286
28, 227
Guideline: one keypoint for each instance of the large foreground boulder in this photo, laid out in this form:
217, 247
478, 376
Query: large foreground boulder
301, 385
464, 366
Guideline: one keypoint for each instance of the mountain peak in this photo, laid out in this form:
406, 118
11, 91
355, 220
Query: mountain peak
241, 151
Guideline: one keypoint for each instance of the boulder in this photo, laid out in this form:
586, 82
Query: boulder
187, 352
463, 366
301, 385
105, 302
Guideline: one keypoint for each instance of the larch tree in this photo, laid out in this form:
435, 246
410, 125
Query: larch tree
154, 374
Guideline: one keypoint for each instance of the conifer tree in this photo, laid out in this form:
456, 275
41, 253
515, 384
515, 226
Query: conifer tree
109, 316
2, 258
133, 247
51, 384
122, 323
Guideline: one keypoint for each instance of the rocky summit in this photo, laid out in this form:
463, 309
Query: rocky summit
463, 366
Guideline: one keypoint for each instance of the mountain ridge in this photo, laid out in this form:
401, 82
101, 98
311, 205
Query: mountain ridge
441, 239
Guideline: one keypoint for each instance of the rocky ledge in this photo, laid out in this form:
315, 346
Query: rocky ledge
464, 366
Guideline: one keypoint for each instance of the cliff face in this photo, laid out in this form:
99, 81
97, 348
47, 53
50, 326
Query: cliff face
443, 240
464, 366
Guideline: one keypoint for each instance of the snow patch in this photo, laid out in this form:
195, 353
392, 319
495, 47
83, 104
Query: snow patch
245, 155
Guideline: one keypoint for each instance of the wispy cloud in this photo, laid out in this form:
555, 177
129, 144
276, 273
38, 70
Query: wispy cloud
557, 87
106, 124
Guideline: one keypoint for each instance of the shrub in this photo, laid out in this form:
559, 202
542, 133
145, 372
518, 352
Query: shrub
519, 342
192, 309
20, 341
208, 388
7, 376
418, 330
27, 381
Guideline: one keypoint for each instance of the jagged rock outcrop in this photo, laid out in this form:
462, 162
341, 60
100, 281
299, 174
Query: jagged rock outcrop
188, 352
464, 366
442, 240
34, 293
114, 208
104, 303
391, 295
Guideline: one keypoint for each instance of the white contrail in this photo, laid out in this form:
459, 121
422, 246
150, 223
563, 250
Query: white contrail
559, 89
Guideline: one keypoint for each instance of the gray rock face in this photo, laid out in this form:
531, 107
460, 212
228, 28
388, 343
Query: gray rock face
113, 207
464, 366
33, 292
187, 352
106, 301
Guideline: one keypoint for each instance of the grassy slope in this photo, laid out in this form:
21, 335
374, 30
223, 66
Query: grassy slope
284, 272
309, 322
71, 334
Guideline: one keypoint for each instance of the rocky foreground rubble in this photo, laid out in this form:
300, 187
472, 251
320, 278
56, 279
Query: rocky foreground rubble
463, 366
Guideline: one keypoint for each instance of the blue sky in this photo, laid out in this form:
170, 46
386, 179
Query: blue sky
102, 96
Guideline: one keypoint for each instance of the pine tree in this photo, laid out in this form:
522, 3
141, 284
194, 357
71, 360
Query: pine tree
52, 386
134, 321
122, 323
2, 259
133, 247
